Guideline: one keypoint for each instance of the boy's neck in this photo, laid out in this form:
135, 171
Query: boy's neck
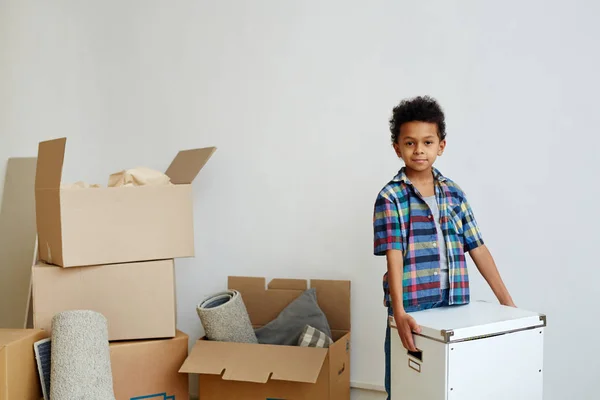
425, 176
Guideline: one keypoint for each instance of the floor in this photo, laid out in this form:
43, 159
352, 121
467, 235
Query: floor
359, 394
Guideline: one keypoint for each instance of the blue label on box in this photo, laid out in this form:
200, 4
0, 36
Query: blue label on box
157, 396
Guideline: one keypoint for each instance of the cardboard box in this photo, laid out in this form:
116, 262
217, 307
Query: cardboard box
94, 226
138, 299
19, 377
148, 369
257, 371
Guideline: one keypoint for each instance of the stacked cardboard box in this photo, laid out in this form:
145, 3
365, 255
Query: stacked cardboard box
112, 250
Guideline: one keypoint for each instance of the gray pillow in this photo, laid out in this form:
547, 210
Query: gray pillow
289, 324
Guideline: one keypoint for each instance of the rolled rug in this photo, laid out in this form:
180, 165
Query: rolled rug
225, 318
80, 357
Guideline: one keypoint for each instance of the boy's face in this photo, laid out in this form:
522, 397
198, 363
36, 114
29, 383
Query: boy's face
419, 145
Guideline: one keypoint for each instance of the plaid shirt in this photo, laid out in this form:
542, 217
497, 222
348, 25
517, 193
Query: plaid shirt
403, 221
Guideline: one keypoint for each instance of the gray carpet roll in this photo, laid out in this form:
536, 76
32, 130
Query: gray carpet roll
80, 357
225, 318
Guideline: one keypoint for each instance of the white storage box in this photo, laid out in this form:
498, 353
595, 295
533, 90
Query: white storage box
471, 352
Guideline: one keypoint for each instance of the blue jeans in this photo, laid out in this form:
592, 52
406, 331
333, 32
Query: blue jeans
387, 346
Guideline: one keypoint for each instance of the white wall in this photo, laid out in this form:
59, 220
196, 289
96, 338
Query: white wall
296, 96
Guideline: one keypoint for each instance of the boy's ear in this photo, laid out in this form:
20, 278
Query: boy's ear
397, 150
442, 147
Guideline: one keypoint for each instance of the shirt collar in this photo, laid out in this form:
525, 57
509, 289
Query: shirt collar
401, 176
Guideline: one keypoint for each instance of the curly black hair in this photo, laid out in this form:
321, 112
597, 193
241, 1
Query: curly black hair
421, 108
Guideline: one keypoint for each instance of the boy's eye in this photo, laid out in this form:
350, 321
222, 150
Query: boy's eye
429, 142
409, 143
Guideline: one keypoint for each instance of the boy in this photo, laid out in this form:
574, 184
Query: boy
424, 226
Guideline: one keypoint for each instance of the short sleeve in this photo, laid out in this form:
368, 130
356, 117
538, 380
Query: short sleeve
386, 226
472, 234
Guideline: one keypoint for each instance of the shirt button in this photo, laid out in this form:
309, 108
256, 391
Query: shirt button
434, 244
429, 216
435, 273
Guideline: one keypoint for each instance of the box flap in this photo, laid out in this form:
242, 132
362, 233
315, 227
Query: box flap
334, 299
290, 284
264, 303
255, 362
187, 164
51, 154
179, 335
8, 336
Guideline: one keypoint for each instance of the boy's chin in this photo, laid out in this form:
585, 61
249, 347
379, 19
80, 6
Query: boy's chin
419, 167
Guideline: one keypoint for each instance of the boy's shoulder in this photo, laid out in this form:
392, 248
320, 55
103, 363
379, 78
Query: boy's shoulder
392, 188
453, 187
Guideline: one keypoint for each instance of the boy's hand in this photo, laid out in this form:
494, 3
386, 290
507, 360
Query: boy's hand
406, 326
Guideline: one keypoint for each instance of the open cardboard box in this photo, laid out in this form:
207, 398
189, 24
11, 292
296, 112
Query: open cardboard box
258, 371
93, 226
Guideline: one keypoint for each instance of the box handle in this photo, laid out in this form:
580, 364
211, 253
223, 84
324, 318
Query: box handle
416, 354
341, 371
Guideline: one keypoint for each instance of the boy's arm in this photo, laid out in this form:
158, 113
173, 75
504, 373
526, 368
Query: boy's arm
406, 324
388, 241
395, 266
487, 267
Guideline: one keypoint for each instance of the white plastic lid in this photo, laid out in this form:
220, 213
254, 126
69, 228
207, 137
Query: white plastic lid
474, 320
